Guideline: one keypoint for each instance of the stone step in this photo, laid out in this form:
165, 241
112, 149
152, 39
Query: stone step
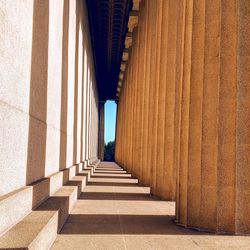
89, 170
46, 204
38, 230
18, 204
80, 181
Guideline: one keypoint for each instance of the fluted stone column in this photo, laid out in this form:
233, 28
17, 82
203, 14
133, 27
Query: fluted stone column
242, 119
181, 197
180, 56
148, 100
166, 181
138, 172
101, 130
190, 99
213, 180
134, 55
152, 90
142, 46
226, 119
156, 35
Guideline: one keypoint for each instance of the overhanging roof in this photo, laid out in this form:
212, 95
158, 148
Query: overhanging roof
108, 24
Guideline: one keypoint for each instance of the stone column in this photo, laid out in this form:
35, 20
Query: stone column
195, 113
226, 118
213, 176
182, 168
156, 21
137, 82
101, 130
141, 29
180, 46
151, 16
167, 184
243, 119
87, 114
148, 99
135, 108
161, 84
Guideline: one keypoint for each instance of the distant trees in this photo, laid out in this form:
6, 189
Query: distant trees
109, 151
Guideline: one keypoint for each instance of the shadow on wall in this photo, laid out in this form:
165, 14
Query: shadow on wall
36, 155
64, 88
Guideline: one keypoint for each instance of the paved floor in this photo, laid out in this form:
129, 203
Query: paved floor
114, 212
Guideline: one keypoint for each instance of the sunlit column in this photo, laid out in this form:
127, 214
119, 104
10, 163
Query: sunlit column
243, 119
181, 16
144, 91
135, 108
151, 15
182, 169
156, 32
162, 38
166, 187
195, 114
147, 101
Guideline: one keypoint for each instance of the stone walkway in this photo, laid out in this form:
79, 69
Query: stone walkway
114, 212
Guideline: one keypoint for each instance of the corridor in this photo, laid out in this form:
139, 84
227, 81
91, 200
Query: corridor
178, 75
115, 212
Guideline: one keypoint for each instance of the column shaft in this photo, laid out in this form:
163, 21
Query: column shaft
101, 130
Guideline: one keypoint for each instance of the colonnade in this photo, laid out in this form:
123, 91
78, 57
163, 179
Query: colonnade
183, 123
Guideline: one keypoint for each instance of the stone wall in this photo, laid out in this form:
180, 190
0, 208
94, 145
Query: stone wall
184, 110
48, 95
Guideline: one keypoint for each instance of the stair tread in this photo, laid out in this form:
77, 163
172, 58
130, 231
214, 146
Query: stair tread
38, 229
78, 178
25, 232
56, 200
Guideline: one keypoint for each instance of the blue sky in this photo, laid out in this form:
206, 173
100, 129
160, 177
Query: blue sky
110, 119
